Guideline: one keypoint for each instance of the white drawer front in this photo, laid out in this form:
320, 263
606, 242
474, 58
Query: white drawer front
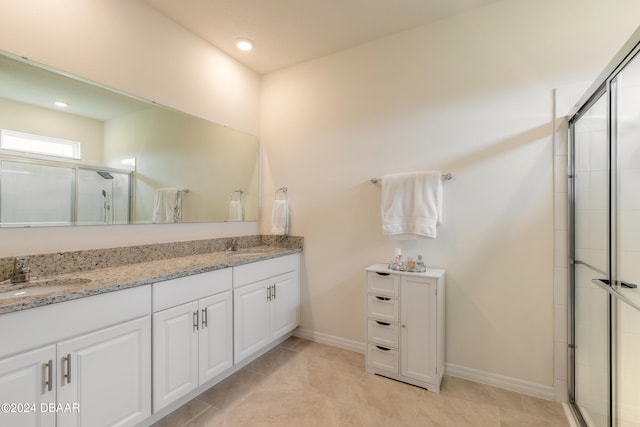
174, 292
383, 308
383, 358
260, 270
383, 333
383, 284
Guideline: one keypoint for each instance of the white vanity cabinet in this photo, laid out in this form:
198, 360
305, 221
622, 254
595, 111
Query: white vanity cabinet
266, 303
192, 333
29, 378
405, 325
93, 370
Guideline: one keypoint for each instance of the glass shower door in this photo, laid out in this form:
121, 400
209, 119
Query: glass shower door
103, 197
591, 262
626, 265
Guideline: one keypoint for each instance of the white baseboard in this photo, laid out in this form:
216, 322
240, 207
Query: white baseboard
483, 377
344, 343
501, 381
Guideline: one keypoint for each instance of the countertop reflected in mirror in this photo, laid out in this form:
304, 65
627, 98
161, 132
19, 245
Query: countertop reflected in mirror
160, 150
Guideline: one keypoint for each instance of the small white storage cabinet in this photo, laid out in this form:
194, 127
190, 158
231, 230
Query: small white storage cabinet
85, 362
266, 298
405, 325
192, 333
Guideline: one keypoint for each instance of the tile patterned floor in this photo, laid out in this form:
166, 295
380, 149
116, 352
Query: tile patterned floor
303, 383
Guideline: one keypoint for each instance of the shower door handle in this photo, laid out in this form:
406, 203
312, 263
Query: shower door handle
620, 283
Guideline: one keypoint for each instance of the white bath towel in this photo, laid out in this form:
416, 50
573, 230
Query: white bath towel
280, 217
236, 210
411, 205
164, 205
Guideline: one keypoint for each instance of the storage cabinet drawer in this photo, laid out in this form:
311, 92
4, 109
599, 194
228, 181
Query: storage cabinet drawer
383, 308
383, 333
383, 357
383, 284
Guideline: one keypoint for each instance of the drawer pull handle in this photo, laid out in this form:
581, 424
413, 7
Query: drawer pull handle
383, 298
67, 374
383, 348
382, 323
382, 274
195, 321
48, 376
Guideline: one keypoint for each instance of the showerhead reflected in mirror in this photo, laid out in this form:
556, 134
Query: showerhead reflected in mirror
129, 149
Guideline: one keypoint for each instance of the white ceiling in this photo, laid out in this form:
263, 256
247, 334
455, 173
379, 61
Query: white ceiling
288, 32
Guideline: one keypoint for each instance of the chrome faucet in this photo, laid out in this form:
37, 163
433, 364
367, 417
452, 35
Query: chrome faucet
20, 271
232, 246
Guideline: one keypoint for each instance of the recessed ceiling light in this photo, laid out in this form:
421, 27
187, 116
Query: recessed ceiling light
244, 44
61, 104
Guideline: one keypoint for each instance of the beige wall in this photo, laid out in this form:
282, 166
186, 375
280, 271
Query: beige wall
46, 122
471, 95
128, 46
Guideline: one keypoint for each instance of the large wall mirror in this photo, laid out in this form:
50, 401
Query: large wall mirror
75, 153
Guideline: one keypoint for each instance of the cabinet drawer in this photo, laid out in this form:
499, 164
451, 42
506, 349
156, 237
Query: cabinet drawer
383, 333
174, 292
383, 308
382, 357
383, 283
260, 270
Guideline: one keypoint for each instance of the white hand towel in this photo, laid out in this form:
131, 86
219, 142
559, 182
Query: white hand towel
177, 216
280, 217
164, 205
411, 205
236, 210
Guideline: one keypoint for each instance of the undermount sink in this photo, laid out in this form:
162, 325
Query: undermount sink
247, 254
41, 287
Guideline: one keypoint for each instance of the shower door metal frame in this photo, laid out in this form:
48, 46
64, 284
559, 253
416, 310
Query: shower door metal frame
596, 96
605, 85
76, 167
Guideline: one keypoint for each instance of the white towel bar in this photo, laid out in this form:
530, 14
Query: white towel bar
445, 177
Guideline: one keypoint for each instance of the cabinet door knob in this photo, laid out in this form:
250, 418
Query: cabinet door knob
404, 326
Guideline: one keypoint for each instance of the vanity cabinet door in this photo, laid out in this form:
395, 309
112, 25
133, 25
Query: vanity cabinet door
251, 318
216, 335
284, 304
418, 328
28, 384
105, 377
175, 353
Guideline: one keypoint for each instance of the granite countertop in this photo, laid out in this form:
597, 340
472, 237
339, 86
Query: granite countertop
85, 283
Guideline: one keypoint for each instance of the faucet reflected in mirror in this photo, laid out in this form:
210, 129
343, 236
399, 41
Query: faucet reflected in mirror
153, 146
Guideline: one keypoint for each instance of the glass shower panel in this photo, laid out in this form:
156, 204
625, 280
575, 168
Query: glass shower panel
103, 197
591, 219
121, 200
628, 367
94, 198
32, 194
627, 255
